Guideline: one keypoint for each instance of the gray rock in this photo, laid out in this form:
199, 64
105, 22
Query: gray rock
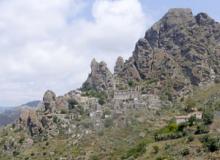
49, 101
119, 65
100, 77
180, 48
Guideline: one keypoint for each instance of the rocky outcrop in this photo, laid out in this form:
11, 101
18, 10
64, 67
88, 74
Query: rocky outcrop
30, 120
49, 101
180, 48
119, 65
100, 77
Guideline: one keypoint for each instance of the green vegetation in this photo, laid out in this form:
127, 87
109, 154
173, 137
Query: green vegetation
72, 104
102, 96
208, 116
190, 103
171, 131
108, 122
212, 143
137, 151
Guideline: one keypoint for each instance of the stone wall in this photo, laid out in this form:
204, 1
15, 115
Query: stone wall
125, 95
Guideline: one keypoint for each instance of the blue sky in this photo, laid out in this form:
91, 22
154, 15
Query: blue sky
48, 44
161, 6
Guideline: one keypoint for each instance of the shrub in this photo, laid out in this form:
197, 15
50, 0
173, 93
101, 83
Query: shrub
190, 103
162, 137
94, 157
101, 101
211, 143
55, 119
190, 138
192, 120
137, 151
21, 140
208, 117
72, 104
171, 131
185, 152
201, 129
63, 111
108, 122
15, 153
131, 83
102, 96
155, 149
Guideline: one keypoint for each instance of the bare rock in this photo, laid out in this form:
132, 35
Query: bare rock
49, 101
119, 65
100, 77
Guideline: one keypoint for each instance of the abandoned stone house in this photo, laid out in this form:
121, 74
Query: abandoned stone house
185, 118
126, 94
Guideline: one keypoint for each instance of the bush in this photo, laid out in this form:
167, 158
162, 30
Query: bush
190, 103
101, 101
72, 104
102, 96
137, 151
211, 143
108, 122
201, 129
94, 157
15, 153
185, 152
156, 149
21, 140
208, 116
63, 111
190, 138
171, 131
131, 83
162, 137
192, 120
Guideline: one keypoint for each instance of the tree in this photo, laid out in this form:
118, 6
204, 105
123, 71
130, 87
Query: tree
192, 120
212, 143
190, 103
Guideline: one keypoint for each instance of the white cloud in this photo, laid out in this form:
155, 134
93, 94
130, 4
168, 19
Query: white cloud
48, 44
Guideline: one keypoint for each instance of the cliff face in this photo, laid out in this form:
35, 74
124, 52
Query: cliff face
100, 77
181, 48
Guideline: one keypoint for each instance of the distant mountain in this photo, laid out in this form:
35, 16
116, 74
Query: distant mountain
11, 114
32, 104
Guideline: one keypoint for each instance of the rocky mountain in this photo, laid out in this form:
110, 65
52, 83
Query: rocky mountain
161, 103
180, 49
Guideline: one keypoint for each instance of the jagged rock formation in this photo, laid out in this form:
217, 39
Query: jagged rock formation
100, 77
180, 48
119, 65
49, 101
30, 120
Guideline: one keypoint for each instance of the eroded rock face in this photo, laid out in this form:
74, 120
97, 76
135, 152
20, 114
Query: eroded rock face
119, 65
180, 48
29, 119
61, 103
100, 77
49, 101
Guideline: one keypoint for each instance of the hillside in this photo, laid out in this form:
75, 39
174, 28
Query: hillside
162, 103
